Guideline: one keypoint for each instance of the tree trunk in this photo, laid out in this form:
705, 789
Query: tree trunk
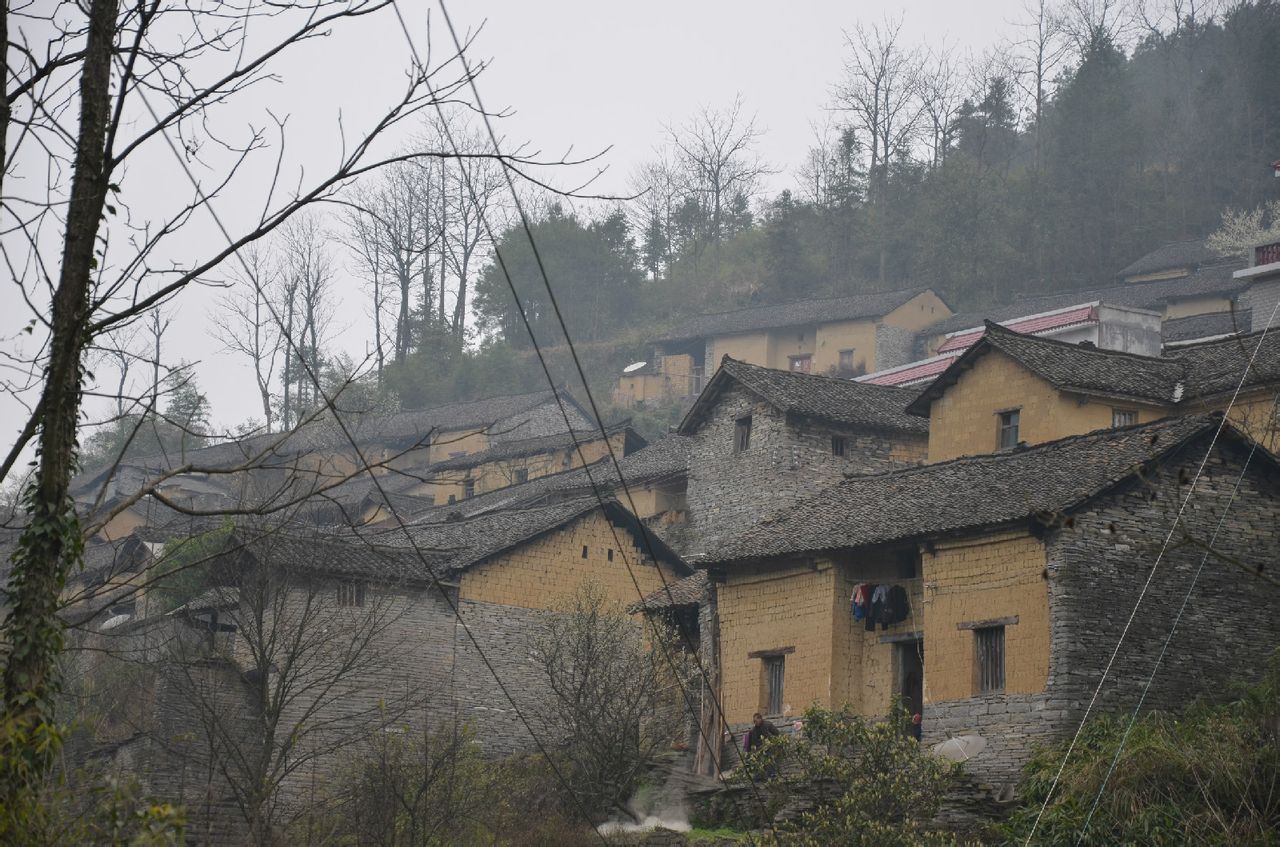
51, 544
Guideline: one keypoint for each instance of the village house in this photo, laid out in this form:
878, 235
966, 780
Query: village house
373, 613
1020, 570
317, 461
761, 438
1010, 389
842, 335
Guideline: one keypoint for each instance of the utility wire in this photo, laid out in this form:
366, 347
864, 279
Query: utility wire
435, 580
1151, 576
581, 374
1186, 600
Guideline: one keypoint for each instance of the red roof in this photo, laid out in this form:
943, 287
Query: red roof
921, 370
1034, 325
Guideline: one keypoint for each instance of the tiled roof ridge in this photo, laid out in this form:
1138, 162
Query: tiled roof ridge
485, 399
751, 368
912, 291
1231, 339
1065, 442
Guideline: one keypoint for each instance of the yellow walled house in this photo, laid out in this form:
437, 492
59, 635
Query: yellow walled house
1020, 570
838, 336
315, 460
1009, 390
509, 463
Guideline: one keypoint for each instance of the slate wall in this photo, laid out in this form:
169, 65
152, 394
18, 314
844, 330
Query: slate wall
788, 459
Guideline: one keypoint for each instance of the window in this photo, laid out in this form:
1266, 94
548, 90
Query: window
837, 445
1123, 417
522, 475
1008, 434
584, 551
468, 488
453, 498
846, 360
742, 434
351, 593
611, 554
774, 676
990, 646
801, 364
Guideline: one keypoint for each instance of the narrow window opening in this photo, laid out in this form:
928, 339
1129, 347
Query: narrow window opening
801, 364
584, 551
837, 445
1123, 417
1008, 434
351, 593
453, 498
522, 475
774, 668
742, 434
468, 488
611, 554
846, 361
989, 642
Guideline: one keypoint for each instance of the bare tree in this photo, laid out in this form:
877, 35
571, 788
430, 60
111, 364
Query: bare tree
613, 698
306, 262
1035, 60
109, 88
880, 91
716, 150
941, 90
244, 324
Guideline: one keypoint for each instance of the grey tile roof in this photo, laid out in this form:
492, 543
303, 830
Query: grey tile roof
1212, 325
1070, 367
1216, 368
666, 458
1206, 282
1191, 253
832, 399
686, 592
968, 493
408, 426
467, 541
338, 555
798, 313
532, 446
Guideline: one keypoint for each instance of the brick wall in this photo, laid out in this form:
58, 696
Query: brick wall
963, 421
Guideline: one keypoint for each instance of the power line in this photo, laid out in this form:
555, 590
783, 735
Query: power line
1151, 576
577, 364
436, 584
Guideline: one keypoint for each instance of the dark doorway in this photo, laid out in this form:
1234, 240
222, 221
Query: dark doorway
911, 675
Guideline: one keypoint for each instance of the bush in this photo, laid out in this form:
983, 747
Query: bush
869, 780
1210, 775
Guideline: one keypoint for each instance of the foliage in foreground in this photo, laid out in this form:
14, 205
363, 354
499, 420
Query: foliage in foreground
872, 782
436, 788
90, 807
1210, 775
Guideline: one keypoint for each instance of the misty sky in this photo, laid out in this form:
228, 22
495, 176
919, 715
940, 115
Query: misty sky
574, 73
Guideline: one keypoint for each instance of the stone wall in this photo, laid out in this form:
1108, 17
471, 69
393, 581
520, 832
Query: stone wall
788, 459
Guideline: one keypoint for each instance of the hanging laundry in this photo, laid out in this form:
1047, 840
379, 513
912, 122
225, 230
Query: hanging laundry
878, 598
897, 607
858, 602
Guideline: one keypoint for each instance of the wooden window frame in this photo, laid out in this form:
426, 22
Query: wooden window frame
351, 593
805, 359
838, 446
1123, 417
989, 659
773, 683
842, 356
742, 434
1008, 420
468, 488
520, 475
